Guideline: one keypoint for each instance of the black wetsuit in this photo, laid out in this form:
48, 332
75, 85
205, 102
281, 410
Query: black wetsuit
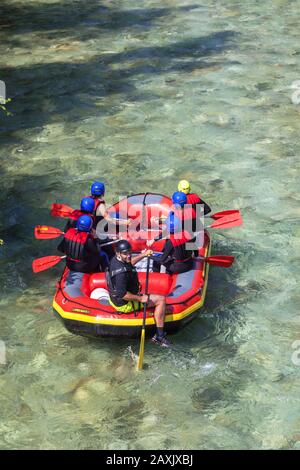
123, 278
176, 257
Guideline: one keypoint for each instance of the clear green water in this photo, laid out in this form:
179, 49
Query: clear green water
142, 94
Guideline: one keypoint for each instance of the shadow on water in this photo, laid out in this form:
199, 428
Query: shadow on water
69, 90
57, 19
72, 90
21, 210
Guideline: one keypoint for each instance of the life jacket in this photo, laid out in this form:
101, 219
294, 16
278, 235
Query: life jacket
75, 242
187, 213
97, 202
133, 280
193, 199
187, 216
74, 216
181, 254
96, 218
78, 213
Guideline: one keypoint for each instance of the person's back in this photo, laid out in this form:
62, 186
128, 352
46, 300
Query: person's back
181, 252
86, 208
176, 257
80, 248
192, 198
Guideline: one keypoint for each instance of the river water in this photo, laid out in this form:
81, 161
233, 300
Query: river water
140, 94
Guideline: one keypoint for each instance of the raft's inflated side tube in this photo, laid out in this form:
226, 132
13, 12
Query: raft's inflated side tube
185, 294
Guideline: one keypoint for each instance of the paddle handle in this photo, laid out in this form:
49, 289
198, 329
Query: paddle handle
143, 333
110, 243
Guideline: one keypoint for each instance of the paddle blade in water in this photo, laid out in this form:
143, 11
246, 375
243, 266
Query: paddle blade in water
41, 264
61, 210
219, 215
220, 260
141, 353
43, 232
227, 222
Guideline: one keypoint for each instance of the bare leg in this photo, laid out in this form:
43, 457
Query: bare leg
159, 301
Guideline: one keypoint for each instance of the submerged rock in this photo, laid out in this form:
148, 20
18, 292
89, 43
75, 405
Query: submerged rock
203, 398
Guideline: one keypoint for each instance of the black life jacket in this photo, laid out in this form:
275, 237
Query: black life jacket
132, 281
75, 242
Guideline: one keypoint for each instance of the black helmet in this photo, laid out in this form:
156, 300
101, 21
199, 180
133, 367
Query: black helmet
123, 245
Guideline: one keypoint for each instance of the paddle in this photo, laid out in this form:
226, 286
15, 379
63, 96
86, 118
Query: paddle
219, 260
43, 232
219, 215
227, 222
142, 343
62, 210
47, 262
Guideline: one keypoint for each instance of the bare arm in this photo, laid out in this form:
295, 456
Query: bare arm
102, 211
138, 298
138, 258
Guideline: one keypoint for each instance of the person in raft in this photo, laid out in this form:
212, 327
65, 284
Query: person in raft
192, 198
124, 289
186, 217
185, 213
184, 196
81, 248
99, 206
189, 217
86, 208
175, 256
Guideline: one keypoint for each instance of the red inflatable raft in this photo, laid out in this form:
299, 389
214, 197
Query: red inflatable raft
185, 293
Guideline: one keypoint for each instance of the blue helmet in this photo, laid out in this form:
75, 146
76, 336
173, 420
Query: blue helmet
87, 205
84, 223
179, 198
97, 189
173, 223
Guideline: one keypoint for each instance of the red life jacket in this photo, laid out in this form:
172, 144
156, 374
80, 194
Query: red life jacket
193, 198
97, 202
78, 213
75, 242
